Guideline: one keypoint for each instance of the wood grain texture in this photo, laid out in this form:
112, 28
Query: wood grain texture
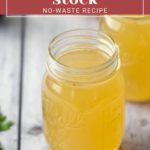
39, 32
9, 77
137, 135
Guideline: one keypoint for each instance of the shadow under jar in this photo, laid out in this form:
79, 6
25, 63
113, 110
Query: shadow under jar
83, 93
132, 34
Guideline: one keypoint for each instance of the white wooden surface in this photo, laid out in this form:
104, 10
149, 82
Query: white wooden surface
38, 33
9, 77
137, 136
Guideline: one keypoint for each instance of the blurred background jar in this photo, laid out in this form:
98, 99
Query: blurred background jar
132, 34
83, 92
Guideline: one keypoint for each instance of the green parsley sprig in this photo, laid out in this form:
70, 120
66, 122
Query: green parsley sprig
4, 125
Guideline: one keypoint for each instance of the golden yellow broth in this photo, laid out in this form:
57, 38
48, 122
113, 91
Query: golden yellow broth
86, 117
133, 37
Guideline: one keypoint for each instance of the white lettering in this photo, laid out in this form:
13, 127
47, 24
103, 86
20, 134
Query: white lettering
58, 10
56, 2
47, 10
74, 2
95, 10
67, 10
92, 2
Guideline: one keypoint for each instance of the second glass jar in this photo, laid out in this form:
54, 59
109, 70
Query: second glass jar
132, 34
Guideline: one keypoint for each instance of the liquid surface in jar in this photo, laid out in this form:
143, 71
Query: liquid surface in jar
133, 37
81, 59
87, 117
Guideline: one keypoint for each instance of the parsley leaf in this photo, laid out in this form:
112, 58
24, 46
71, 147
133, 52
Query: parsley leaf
4, 123
1, 147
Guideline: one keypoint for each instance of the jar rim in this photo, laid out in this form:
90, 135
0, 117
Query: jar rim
134, 17
100, 66
84, 39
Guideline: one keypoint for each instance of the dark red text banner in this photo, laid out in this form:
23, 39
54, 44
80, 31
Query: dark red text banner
74, 7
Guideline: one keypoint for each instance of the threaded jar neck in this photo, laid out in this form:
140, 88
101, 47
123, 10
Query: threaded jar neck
82, 39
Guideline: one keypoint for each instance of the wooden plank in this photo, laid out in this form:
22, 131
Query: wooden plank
39, 32
9, 77
137, 136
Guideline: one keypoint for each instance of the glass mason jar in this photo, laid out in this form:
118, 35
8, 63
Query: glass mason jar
133, 37
83, 92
